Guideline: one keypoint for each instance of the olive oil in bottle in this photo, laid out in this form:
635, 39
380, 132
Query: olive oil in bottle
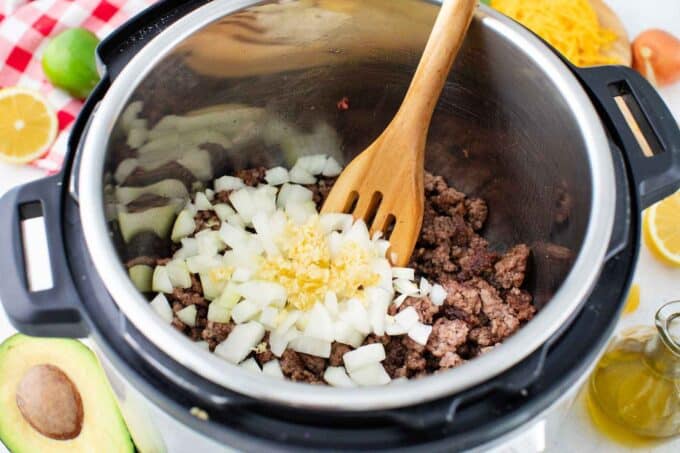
636, 384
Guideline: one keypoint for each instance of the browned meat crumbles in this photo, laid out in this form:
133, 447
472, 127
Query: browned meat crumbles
484, 303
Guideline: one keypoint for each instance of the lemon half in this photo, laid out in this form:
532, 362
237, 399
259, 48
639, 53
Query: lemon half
661, 228
28, 125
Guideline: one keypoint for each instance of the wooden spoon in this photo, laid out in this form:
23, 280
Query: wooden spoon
384, 184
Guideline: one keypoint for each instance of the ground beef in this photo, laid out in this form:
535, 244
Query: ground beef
446, 336
293, 367
395, 355
414, 359
207, 220
510, 269
315, 364
477, 211
321, 189
337, 351
222, 197
450, 360
252, 176
519, 301
267, 355
189, 296
216, 332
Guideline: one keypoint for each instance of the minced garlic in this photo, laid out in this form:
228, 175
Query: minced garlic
306, 269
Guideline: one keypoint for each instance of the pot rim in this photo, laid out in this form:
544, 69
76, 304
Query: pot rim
566, 301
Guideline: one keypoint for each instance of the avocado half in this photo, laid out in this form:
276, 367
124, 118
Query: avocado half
54, 397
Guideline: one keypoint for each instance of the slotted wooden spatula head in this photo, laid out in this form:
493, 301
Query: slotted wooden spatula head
384, 184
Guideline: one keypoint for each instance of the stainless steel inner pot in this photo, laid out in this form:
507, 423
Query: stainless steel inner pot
513, 126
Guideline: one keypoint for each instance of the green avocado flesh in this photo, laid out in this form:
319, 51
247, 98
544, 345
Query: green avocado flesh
54, 397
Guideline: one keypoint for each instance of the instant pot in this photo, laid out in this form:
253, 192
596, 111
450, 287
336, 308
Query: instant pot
566, 158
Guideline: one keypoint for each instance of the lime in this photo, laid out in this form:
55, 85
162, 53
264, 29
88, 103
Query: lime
69, 61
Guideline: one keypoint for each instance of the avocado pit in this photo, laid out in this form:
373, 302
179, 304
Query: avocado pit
50, 402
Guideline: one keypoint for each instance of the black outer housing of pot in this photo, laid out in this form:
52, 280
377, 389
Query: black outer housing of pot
79, 304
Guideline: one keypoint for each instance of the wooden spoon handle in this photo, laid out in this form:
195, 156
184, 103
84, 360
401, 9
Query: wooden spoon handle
433, 69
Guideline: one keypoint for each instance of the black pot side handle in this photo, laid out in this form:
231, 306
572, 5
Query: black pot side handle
36, 289
641, 125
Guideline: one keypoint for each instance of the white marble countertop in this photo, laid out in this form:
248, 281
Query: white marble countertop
658, 282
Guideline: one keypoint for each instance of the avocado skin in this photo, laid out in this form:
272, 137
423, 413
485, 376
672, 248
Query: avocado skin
108, 433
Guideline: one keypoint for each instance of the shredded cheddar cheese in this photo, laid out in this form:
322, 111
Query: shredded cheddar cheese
571, 26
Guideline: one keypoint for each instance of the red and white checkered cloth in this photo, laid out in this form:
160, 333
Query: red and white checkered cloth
25, 29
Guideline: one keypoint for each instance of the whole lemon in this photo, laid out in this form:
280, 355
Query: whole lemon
69, 61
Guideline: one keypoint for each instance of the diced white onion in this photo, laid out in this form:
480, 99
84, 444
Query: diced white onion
311, 346
226, 183
209, 242
382, 267
233, 236
345, 333
242, 339
289, 321
331, 168
365, 355
393, 328
404, 286
373, 374
300, 212
400, 300
212, 288
405, 273
263, 292
276, 176
335, 222
202, 203
319, 324
184, 226
293, 193
188, 315
335, 244
229, 297
378, 302
223, 211
359, 234
251, 365
189, 248
162, 307
178, 273
160, 282
357, 316
244, 204
241, 274
437, 294
218, 312
273, 369
299, 175
407, 318
202, 263
264, 234
209, 194
337, 377
268, 317
420, 333
313, 164
264, 199
331, 303
424, 287
244, 311
279, 341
